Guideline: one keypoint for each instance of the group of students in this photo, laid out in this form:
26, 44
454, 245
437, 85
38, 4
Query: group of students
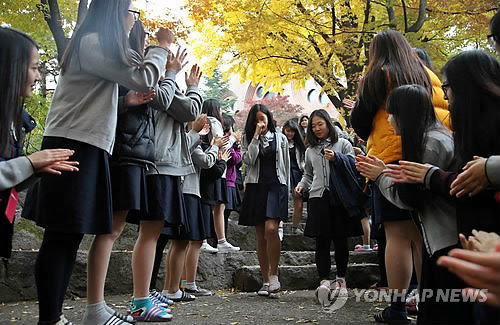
433, 156
122, 143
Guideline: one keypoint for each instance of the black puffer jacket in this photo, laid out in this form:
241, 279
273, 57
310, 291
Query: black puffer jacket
135, 133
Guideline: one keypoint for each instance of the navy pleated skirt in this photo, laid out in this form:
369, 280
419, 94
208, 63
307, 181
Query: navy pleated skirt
221, 191
76, 202
233, 199
128, 183
165, 201
262, 202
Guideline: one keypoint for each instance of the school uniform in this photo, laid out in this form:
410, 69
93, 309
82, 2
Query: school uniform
327, 218
83, 117
267, 179
233, 195
200, 223
438, 223
172, 156
297, 164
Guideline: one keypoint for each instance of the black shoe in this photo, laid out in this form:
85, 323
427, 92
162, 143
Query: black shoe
391, 316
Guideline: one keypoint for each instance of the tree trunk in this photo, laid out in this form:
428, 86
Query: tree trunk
421, 18
52, 15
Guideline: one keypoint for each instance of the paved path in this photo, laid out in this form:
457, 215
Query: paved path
289, 307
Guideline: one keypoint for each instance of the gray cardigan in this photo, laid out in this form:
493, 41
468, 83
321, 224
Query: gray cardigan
438, 218
173, 111
316, 178
493, 170
16, 172
85, 104
250, 154
201, 160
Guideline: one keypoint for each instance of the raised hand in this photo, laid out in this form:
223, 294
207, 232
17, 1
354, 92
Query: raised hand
205, 130
193, 79
134, 98
472, 180
258, 129
370, 167
165, 37
176, 63
478, 269
348, 104
408, 172
199, 123
225, 155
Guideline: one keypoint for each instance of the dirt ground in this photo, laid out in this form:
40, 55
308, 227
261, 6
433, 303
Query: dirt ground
229, 308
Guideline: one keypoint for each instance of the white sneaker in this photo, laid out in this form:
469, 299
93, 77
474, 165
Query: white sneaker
227, 247
274, 284
323, 293
340, 289
264, 291
205, 247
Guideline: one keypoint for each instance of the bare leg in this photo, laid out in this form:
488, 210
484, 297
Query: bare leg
262, 251
144, 255
219, 221
401, 235
273, 244
192, 257
365, 222
175, 264
297, 211
98, 259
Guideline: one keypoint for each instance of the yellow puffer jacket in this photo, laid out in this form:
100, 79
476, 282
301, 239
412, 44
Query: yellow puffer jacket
384, 144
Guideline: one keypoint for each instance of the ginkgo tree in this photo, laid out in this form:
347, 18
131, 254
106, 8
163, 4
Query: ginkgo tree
274, 42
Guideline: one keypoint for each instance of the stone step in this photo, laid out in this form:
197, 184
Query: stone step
305, 277
215, 271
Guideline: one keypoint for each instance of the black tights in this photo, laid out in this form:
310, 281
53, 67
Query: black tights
323, 259
53, 269
161, 243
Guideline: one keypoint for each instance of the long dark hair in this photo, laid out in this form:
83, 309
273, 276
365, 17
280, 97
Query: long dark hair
424, 56
495, 26
297, 138
474, 80
411, 106
137, 38
227, 122
108, 19
16, 50
251, 122
211, 107
392, 63
312, 140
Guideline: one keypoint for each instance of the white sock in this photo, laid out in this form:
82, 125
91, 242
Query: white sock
96, 314
221, 241
175, 295
190, 285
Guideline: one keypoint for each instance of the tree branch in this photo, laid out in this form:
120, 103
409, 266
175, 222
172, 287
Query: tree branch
421, 17
405, 15
52, 15
390, 13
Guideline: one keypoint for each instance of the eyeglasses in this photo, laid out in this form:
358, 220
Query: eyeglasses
137, 14
445, 87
